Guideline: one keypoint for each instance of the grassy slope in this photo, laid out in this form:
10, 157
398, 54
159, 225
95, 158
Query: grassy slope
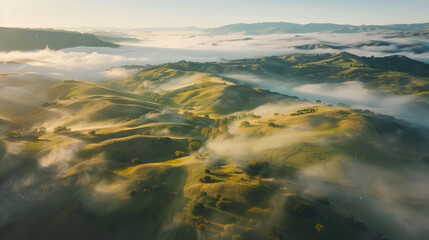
151, 128
395, 74
203, 93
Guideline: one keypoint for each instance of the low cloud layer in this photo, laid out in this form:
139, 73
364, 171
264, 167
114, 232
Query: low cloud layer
353, 93
167, 46
391, 200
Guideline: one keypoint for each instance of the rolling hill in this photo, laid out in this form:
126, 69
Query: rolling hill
177, 151
394, 74
416, 48
20, 39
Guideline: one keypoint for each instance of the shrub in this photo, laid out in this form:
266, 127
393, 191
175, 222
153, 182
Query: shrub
320, 229
136, 161
304, 209
244, 124
273, 235
21, 134
194, 146
258, 168
179, 154
237, 237
92, 132
62, 130
207, 171
189, 116
272, 125
133, 193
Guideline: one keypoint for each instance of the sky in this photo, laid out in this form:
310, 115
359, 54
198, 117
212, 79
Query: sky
205, 13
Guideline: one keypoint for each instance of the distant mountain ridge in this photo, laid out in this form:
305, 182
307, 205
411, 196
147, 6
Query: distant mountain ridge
23, 39
285, 27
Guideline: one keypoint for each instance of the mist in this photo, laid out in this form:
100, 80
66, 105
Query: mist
92, 63
40, 176
392, 200
353, 93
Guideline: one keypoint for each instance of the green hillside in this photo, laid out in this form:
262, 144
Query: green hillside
394, 74
24, 39
178, 151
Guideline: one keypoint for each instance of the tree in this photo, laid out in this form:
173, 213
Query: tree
258, 168
272, 125
203, 194
194, 146
136, 161
321, 199
206, 132
179, 154
320, 229
207, 171
62, 130
206, 179
133, 193
237, 237
197, 209
91, 133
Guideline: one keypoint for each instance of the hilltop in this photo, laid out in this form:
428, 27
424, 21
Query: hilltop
395, 74
179, 151
24, 39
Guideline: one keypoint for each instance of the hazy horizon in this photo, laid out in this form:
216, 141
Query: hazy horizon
205, 14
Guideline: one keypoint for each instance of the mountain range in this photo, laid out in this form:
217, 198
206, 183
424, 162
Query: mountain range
412, 30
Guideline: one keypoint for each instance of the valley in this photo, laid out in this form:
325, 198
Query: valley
188, 150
